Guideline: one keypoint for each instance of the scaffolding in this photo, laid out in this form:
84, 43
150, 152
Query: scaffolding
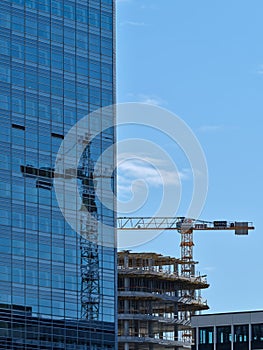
156, 301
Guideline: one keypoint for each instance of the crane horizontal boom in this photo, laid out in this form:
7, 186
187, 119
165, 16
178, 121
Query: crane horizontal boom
180, 224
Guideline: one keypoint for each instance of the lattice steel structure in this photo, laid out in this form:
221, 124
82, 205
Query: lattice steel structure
185, 227
90, 284
154, 307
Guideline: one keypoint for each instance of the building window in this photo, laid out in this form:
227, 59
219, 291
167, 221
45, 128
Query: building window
257, 336
241, 337
223, 334
206, 335
257, 332
241, 333
223, 338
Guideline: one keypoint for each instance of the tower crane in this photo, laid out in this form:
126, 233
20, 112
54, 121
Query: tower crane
186, 227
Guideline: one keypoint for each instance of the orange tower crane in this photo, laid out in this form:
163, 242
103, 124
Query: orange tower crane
185, 227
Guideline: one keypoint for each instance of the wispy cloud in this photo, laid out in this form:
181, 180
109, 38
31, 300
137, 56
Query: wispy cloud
133, 24
260, 69
148, 7
148, 99
142, 6
210, 128
208, 268
154, 172
136, 169
152, 101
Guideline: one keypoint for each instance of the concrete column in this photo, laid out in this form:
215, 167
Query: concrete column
232, 337
249, 336
214, 336
197, 338
126, 303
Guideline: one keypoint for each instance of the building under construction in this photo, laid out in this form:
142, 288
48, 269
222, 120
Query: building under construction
155, 302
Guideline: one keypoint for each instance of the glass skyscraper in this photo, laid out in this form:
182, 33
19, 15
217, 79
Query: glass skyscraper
57, 289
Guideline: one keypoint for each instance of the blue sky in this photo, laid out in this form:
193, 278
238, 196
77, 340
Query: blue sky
204, 62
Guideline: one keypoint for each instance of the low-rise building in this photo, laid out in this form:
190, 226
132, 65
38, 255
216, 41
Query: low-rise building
228, 331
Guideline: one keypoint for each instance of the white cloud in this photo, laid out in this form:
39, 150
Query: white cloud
148, 99
123, 189
152, 101
149, 6
208, 268
210, 128
133, 23
260, 70
154, 172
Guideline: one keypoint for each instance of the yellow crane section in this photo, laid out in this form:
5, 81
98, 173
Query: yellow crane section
186, 227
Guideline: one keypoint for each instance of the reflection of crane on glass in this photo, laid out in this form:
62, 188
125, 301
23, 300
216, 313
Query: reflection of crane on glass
90, 289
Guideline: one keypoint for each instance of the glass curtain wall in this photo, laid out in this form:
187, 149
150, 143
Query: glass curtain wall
56, 66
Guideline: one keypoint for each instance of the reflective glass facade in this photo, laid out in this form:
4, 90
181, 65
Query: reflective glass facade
56, 66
